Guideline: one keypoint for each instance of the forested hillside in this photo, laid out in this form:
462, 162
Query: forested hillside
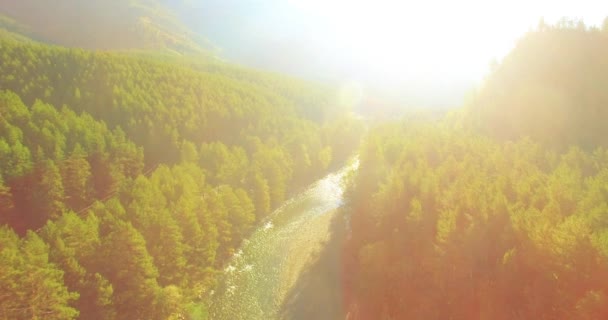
557, 74
127, 180
499, 211
110, 24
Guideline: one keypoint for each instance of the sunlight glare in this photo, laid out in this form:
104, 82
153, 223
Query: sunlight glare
403, 40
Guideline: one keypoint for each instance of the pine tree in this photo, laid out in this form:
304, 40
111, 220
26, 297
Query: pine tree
32, 288
7, 205
74, 247
261, 195
49, 193
76, 177
125, 262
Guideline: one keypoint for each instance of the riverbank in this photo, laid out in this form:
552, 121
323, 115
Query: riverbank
290, 260
317, 291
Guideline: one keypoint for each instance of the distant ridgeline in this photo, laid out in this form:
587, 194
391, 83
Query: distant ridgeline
499, 211
107, 25
142, 173
551, 88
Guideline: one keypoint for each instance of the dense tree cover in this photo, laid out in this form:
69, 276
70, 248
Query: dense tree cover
9, 28
557, 74
141, 176
160, 104
452, 225
31, 286
111, 24
501, 216
56, 159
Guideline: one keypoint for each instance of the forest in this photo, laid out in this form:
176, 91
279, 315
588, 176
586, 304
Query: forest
499, 210
108, 25
132, 172
127, 179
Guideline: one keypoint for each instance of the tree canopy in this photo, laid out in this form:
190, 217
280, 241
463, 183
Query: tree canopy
497, 211
141, 174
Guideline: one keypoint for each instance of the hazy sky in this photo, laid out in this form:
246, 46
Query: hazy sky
456, 39
421, 48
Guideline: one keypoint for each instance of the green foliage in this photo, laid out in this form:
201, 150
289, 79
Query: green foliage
49, 193
161, 103
7, 204
76, 177
143, 174
197, 312
31, 286
126, 263
74, 247
500, 210
550, 88
450, 224
113, 24
56, 158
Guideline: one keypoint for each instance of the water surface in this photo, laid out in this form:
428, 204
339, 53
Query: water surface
265, 272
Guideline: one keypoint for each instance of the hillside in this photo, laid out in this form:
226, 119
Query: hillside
549, 88
498, 211
107, 25
128, 179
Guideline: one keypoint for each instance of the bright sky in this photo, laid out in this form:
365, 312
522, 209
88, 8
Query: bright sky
404, 40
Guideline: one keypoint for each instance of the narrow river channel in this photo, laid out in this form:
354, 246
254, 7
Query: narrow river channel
263, 279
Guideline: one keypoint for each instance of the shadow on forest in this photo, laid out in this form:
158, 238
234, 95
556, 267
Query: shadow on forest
317, 294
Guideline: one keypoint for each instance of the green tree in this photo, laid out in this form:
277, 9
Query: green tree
7, 205
109, 117
163, 236
125, 262
32, 287
74, 247
48, 194
188, 152
19, 160
261, 195
239, 212
76, 178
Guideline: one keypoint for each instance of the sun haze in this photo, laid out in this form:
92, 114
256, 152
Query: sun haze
397, 40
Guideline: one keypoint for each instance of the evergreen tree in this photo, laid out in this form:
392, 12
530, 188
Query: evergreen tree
76, 178
74, 243
261, 195
32, 288
125, 262
7, 205
48, 194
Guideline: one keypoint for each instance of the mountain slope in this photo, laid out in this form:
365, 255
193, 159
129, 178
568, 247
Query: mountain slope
142, 173
551, 87
503, 216
113, 24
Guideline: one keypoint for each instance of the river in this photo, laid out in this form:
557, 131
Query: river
289, 267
